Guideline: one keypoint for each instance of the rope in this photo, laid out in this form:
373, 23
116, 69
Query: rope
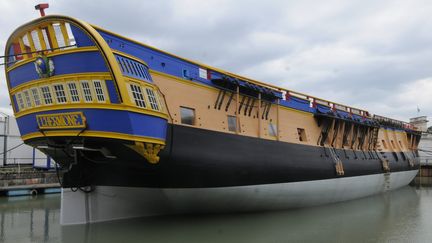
31, 52
12, 148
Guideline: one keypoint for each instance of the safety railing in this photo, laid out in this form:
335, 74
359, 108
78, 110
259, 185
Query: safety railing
393, 123
314, 101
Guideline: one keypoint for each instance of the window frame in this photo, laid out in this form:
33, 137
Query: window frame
182, 118
49, 93
137, 98
152, 99
38, 100
83, 89
27, 98
102, 89
20, 101
229, 124
77, 89
64, 93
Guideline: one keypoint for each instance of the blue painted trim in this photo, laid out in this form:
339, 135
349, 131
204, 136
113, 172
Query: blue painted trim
10, 59
80, 62
323, 109
169, 64
81, 38
156, 60
112, 92
133, 69
103, 120
15, 103
297, 103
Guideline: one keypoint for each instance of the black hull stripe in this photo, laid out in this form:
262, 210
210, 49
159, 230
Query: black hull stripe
195, 158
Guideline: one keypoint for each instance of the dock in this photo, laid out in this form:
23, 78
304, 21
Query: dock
25, 180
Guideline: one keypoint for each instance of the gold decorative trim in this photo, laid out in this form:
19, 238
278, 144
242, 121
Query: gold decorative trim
92, 106
61, 120
149, 151
100, 134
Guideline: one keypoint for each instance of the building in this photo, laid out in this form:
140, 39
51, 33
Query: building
420, 122
425, 145
12, 149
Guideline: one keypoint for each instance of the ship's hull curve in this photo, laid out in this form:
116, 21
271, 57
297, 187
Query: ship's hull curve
198, 158
110, 202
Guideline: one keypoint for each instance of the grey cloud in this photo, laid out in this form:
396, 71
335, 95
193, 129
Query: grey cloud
362, 53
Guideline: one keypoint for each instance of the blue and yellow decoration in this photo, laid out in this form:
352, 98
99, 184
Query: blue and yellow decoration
66, 82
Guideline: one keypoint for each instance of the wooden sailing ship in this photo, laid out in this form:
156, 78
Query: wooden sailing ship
168, 135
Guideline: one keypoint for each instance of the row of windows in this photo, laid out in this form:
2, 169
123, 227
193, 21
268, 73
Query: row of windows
61, 93
55, 35
133, 68
187, 116
141, 98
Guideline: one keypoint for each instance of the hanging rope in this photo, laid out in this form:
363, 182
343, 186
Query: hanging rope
32, 52
12, 148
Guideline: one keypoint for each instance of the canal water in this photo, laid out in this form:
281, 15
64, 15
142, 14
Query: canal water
404, 215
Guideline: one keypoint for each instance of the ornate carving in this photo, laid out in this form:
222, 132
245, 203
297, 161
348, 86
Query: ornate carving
149, 151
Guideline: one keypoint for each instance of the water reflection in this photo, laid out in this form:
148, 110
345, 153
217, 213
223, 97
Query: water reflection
369, 219
403, 215
30, 219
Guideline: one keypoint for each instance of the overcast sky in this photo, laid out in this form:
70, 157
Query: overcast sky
375, 55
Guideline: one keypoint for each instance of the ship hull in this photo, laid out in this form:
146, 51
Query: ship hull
198, 158
209, 172
111, 202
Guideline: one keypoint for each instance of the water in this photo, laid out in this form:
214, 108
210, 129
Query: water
404, 215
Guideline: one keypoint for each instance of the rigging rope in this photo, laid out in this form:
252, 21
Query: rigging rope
12, 148
31, 52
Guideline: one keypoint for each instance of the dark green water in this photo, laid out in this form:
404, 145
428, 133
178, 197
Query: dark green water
404, 215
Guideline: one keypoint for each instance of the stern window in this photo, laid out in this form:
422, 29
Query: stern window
60, 93
152, 99
99, 90
20, 101
137, 95
27, 99
46, 93
88, 97
187, 115
36, 97
73, 91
